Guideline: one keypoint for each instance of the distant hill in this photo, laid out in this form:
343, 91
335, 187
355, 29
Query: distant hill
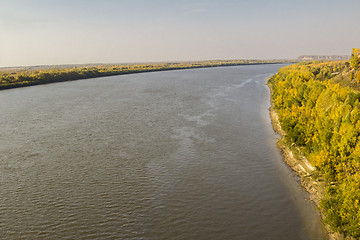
323, 57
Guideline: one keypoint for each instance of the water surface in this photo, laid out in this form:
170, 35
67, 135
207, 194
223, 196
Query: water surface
187, 154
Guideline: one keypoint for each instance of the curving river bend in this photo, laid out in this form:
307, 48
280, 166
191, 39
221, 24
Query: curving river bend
187, 154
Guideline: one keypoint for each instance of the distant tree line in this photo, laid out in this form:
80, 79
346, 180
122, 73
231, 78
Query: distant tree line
28, 77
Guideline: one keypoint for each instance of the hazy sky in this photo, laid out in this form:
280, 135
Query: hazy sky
36, 32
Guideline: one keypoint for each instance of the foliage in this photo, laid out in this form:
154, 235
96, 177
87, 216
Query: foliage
354, 60
320, 112
342, 206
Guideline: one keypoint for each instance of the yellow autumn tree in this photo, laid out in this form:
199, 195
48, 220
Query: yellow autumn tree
354, 60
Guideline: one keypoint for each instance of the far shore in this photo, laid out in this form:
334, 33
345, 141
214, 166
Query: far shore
37, 75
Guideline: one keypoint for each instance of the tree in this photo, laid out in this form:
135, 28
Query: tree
352, 75
354, 60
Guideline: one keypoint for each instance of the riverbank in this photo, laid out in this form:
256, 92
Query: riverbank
30, 76
310, 179
318, 106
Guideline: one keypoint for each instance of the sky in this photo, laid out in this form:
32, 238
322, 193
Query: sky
48, 32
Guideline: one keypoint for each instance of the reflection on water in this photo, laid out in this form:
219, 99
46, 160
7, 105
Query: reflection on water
186, 154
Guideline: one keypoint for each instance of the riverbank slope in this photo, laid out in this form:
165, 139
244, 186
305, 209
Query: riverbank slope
316, 109
309, 178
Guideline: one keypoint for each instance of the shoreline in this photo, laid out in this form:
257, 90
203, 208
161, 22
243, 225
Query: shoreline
55, 75
310, 179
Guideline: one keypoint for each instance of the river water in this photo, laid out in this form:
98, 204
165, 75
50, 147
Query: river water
187, 154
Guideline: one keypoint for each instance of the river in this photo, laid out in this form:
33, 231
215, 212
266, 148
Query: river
186, 154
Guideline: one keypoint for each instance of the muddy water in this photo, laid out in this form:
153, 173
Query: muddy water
186, 154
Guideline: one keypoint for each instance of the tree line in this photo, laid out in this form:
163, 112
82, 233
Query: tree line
28, 77
318, 104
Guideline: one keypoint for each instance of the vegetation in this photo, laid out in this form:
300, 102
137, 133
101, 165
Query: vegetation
318, 104
354, 60
20, 77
